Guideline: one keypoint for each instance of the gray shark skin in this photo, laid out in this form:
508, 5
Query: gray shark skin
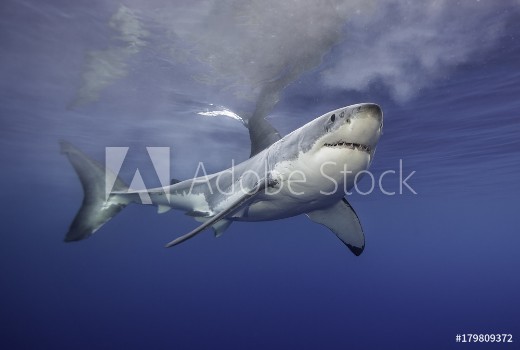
301, 173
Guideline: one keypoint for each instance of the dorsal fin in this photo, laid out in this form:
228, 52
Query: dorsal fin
262, 134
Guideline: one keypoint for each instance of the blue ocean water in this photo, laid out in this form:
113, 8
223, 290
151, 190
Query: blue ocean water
437, 263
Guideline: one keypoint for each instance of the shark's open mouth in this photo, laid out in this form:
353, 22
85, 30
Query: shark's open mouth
350, 145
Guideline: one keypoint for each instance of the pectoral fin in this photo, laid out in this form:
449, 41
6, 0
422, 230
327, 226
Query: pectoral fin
341, 219
233, 207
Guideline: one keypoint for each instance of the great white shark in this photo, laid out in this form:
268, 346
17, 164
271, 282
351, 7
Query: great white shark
304, 172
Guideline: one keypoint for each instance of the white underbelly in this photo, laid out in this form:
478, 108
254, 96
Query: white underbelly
283, 205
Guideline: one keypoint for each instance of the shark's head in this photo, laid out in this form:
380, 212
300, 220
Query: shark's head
338, 142
345, 141
352, 130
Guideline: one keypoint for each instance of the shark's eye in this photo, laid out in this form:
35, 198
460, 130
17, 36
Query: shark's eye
333, 118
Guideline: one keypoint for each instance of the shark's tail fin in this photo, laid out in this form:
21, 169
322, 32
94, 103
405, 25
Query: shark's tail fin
97, 207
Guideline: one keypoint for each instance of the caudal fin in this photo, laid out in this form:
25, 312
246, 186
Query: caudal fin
97, 208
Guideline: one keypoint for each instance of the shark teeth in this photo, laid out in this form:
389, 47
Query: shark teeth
350, 145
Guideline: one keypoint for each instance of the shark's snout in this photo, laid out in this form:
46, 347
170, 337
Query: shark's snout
370, 118
370, 110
